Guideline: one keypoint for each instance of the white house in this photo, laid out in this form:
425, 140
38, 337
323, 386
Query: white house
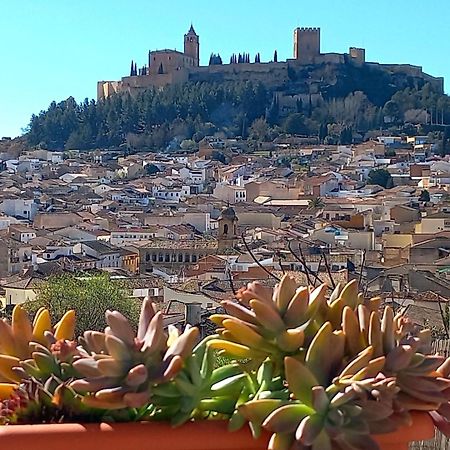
21, 208
230, 193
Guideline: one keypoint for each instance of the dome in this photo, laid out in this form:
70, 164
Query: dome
228, 213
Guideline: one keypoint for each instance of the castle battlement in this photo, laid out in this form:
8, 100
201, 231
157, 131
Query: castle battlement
309, 29
168, 67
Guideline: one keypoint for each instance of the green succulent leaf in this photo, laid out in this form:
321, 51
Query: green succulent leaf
286, 418
300, 380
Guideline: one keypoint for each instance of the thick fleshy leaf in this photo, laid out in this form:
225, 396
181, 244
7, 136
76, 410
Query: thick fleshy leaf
147, 313
318, 353
308, 429
280, 441
284, 291
320, 399
300, 380
286, 419
322, 442
258, 410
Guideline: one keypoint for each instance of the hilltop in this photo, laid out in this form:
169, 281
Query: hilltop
175, 101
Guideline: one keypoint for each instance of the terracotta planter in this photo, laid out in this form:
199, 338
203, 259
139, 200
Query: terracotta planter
205, 435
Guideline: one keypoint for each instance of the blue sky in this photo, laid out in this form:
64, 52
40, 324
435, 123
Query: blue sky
51, 49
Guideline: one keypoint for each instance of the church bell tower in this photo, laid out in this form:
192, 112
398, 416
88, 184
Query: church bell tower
227, 236
192, 46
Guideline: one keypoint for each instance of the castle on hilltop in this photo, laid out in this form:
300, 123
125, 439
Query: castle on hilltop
167, 67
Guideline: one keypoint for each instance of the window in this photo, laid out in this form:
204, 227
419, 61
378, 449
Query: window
147, 257
194, 258
160, 257
225, 229
187, 257
180, 258
154, 257
167, 258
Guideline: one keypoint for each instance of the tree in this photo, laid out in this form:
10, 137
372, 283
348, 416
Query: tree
323, 131
381, 177
445, 144
259, 129
152, 169
295, 124
89, 296
391, 112
275, 56
273, 112
315, 203
346, 136
424, 196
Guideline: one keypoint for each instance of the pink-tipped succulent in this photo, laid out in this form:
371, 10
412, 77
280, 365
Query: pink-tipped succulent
119, 367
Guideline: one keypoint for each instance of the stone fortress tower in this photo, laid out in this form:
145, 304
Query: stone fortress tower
192, 46
306, 44
169, 67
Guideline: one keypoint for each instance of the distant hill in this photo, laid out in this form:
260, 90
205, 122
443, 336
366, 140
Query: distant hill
328, 100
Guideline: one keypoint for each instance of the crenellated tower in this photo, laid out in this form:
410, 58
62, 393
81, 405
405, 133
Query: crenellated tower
306, 44
192, 45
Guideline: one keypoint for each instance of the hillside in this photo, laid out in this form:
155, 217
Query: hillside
331, 101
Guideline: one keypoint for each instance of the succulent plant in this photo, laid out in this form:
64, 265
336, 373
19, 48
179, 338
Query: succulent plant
50, 402
15, 339
358, 374
265, 324
120, 368
318, 372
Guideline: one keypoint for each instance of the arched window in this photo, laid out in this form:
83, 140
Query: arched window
160, 257
187, 257
154, 257
147, 257
194, 258
225, 229
167, 258
180, 258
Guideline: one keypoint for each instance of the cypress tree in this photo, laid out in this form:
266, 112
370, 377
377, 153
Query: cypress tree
132, 68
275, 56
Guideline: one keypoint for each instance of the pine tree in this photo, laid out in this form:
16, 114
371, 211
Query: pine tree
323, 131
275, 56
